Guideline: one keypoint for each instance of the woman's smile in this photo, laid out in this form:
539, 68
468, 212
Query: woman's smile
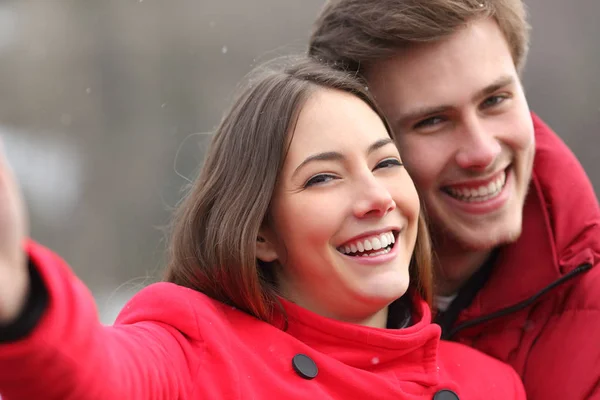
372, 248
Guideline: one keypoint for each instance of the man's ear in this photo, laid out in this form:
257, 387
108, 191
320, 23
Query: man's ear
266, 250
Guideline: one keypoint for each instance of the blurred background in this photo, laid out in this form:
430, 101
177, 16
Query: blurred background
106, 108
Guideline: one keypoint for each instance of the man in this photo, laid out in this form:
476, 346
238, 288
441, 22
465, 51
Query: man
514, 219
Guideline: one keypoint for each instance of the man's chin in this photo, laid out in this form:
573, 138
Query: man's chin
483, 241
474, 239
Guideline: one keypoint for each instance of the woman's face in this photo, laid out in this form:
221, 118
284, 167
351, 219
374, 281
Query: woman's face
343, 215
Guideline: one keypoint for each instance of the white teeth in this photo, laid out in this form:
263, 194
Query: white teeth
360, 247
378, 253
384, 240
378, 243
482, 193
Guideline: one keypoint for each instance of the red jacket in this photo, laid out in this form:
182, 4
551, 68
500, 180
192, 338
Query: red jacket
540, 309
170, 342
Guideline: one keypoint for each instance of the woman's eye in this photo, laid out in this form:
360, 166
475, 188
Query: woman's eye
389, 162
319, 179
429, 122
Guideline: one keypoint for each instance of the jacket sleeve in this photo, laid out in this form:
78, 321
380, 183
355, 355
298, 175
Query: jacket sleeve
564, 362
70, 355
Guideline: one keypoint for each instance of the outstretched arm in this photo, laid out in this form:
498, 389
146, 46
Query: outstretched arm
52, 345
70, 355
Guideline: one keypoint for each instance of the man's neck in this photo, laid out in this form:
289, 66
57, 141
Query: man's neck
454, 266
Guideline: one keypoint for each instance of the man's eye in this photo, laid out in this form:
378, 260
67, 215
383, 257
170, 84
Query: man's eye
429, 122
388, 163
319, 179
493, 101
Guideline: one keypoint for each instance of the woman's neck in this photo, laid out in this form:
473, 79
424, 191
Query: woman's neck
377, 320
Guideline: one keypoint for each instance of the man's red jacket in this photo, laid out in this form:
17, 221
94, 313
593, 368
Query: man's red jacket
540, 309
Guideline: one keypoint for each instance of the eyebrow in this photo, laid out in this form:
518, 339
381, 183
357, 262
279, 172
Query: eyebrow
419, 113
336, 156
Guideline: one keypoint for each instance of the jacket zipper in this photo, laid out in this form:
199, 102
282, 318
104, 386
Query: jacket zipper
519, 306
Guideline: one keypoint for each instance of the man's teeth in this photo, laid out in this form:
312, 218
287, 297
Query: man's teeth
482, 193
379, 242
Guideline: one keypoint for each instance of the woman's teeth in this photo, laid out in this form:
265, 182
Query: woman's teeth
370, 247
481, 193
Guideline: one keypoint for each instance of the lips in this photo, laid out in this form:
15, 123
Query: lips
373, 245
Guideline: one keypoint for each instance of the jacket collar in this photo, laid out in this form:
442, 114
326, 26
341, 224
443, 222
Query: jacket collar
412, 351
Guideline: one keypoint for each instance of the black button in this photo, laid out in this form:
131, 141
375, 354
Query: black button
445, 395
304, 366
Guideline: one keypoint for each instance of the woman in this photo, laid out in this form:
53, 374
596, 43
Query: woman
300, 268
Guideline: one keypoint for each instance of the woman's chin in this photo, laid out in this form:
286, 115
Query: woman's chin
380, 296
386, 289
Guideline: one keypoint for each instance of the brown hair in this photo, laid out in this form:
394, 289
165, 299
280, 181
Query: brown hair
353, 33
215, 228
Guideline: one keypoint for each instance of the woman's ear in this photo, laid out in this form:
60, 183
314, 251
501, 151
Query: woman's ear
266, 250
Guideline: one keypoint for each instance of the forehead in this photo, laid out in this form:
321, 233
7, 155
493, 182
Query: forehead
450, 70
332, 120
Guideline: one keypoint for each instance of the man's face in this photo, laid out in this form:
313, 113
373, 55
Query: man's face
464, 131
